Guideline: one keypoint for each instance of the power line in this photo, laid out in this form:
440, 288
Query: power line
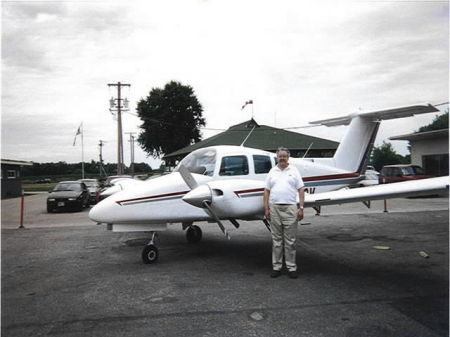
445, 103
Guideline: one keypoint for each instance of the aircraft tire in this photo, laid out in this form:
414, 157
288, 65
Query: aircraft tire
150, 254
193, 234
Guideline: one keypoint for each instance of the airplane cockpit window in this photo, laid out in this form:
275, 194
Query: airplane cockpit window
200, 162
234, 166
262, 164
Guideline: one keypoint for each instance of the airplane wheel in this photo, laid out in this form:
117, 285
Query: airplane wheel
149, 254
193, 234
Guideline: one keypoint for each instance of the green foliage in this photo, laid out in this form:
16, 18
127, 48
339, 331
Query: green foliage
63, 169
438, 123
386, 155
171, 118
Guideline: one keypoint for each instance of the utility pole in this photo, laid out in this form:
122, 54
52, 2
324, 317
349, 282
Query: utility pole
119, 107
100, 145
131, 151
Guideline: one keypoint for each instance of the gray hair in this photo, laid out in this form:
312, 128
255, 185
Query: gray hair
283, 149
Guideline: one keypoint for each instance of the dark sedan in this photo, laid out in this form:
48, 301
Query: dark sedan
68, 195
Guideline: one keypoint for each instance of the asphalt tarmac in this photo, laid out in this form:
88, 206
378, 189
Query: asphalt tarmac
65, 276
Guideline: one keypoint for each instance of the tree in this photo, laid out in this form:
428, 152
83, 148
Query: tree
438, 123
171, 117
386, 155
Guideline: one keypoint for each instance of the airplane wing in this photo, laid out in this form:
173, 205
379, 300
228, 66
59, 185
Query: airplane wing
379, 115
439, 185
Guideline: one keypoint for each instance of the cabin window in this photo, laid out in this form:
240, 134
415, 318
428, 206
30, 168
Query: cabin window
234, 166
262, 164
12, 174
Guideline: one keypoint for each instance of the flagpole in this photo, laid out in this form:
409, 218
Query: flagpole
82, 151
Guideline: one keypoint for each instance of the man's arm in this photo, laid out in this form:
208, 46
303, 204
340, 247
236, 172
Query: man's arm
301, 197
266, 203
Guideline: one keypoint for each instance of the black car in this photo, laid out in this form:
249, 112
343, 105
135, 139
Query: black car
94, 189
68, 195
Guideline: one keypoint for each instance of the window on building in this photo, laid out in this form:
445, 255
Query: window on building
234, 166
436, 164
12, 174
262, 164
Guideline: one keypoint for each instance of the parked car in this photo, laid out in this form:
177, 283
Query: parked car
43, 181
397, 173
94, 189
68, 195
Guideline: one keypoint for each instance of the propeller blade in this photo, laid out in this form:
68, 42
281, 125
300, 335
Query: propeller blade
214, 215
187, 177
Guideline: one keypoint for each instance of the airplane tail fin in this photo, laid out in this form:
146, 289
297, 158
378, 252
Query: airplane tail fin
354, 150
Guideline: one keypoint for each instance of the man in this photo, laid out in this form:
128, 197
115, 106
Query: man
283, 184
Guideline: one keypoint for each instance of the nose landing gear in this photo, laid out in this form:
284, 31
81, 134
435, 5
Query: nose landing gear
150, 252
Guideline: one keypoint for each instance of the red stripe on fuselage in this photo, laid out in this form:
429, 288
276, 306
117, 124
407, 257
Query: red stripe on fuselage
154, 197
332, 177
316, 178
249, 191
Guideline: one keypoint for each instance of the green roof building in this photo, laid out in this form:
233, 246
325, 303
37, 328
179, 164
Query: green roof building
251, 134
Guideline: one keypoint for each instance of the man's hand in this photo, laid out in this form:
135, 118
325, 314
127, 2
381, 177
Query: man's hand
300, 214
267, 213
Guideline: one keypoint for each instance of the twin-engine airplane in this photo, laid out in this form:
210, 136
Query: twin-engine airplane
227, 183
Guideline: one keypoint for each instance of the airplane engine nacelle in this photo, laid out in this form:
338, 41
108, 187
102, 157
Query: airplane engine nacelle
237, 198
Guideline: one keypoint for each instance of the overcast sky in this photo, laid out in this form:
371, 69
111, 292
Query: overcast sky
298, 61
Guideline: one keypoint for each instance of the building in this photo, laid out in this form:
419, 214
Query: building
251, 134
12, 177
429, 149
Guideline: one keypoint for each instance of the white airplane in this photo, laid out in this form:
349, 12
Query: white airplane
227, 183
119, 184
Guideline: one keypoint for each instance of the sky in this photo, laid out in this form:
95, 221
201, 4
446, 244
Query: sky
299, 61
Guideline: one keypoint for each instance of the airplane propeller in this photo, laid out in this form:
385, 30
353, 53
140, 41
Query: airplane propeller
200, 196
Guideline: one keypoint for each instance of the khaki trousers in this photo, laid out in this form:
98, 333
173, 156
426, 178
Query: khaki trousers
283, 224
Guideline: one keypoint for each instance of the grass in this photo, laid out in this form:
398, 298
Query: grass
38, 187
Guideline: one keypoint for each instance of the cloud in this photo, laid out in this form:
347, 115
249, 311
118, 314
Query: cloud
39, 37
298, 62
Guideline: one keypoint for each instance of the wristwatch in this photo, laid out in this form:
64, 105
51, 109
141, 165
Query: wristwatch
301, 207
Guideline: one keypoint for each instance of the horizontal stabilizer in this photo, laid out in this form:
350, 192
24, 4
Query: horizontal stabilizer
379, 115
379, 192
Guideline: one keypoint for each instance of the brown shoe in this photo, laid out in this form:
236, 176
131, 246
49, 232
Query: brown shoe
275, 273
293, 274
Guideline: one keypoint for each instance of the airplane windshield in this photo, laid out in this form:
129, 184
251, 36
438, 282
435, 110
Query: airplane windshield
200, 162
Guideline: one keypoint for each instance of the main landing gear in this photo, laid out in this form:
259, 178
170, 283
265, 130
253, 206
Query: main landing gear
150, 252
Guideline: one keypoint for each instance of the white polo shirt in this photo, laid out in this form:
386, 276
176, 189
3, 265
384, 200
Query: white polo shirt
284, 185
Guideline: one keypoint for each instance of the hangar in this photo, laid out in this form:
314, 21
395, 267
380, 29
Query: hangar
261, 137
429, 149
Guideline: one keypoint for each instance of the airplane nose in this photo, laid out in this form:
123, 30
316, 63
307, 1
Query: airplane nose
198, 195
99, 213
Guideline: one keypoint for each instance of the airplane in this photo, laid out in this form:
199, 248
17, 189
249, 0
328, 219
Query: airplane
119, 184
220, 183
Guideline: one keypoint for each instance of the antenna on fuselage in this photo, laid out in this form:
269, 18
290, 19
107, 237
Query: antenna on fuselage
304, 156
248, 136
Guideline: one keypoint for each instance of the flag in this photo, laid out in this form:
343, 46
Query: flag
79, 131
245, 104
